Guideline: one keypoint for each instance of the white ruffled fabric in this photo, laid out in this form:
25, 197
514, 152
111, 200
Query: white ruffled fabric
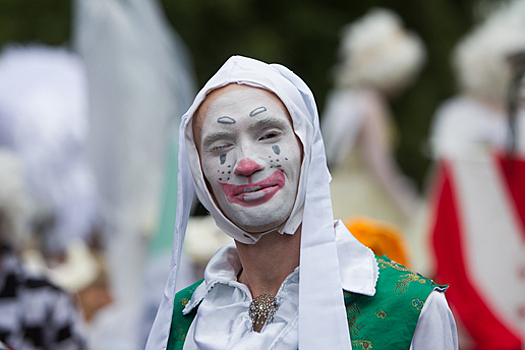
222, 298
313, 208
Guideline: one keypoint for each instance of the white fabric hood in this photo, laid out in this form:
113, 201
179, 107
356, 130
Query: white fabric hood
321, 325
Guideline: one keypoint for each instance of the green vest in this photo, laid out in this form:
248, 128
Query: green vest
386, 320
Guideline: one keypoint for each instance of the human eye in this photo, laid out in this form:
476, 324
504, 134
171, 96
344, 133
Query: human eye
269, 135
217, 142
220, 147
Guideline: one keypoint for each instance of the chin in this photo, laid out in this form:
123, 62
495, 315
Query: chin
261, 218
260, 228
258, 223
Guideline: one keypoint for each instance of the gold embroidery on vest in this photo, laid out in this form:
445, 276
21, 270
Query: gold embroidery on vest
380, 313
354, 327
385, 263
402, 285
362, 344
352, 310
411, 276
181, 336
418, 304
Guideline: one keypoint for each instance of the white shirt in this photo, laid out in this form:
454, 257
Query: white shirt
222, 298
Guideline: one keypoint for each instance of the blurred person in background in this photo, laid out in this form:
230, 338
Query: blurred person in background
43, 118
140, 82
35, 314
477, 204
379, 60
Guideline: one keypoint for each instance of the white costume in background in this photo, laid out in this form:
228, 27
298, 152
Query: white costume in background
477, 216
379, 58
466, 127
366, 179
44, 119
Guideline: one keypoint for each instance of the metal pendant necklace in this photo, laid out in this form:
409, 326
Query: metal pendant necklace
261, 311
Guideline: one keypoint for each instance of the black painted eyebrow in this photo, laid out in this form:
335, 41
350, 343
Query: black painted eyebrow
270, 122
257, 110
226, 120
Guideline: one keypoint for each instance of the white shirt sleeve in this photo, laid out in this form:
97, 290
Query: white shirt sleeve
436, 328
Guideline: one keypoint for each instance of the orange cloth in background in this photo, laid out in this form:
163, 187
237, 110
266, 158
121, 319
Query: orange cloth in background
383, 238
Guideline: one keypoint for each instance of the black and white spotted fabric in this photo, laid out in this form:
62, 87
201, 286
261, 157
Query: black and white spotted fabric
34, 314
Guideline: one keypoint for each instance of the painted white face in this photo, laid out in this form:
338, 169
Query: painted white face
250, 156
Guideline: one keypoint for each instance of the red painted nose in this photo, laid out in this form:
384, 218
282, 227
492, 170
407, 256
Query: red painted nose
246, 167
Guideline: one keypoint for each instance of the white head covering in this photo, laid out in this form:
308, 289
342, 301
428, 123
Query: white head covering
322, 314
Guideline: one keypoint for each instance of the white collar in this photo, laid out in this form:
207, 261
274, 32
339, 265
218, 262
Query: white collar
357, 265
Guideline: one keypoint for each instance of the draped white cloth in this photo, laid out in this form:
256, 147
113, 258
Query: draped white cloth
221, 298
320, 326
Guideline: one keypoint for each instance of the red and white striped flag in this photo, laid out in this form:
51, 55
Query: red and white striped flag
478, 235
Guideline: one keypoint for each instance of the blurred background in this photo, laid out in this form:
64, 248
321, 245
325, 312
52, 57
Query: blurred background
91, 93
303, 35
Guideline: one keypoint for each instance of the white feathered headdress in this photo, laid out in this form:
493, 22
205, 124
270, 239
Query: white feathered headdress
481, 57
378, 52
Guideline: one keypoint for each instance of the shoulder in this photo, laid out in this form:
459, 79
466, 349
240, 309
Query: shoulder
393, 311
397, 279
398, 286
184, 295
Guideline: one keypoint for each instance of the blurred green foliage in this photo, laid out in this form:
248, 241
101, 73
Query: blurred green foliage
301, 34
35, 21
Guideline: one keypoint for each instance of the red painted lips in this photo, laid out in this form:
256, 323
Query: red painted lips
254, 194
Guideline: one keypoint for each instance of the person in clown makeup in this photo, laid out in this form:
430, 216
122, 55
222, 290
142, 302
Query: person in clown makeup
251, 148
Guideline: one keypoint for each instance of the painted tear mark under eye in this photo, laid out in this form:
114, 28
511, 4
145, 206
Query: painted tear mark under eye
276, 149
257, 110
226, 120
223, 158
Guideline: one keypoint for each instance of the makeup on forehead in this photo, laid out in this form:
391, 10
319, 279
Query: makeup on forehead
225, 120
259, 124
257, 110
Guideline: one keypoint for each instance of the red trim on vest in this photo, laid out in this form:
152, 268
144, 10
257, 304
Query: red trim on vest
485, 328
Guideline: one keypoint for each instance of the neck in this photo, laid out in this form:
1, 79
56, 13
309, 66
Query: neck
267, 263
